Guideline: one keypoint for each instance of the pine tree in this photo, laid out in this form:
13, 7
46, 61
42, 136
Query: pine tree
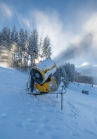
49, 52
13, 33
46, 49
72, 72
5, 37
8, 39
67, 69
41, 49
17, 55
26, 41
22, 39
21, 44
4, 34
17, 37
57, 76
33, 46
64, 76
26, 38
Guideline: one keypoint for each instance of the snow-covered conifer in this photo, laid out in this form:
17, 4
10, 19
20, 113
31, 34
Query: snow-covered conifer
72, 72
17, 37
5, 36
46, 49
26, 40
63, 75
4, 33
33, 46
22, 39
57, 75
13, 33
21, 43
8, 35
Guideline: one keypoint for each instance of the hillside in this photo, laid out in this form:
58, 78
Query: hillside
88, 70
24, 116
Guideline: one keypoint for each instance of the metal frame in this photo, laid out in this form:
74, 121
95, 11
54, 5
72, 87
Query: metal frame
44, 93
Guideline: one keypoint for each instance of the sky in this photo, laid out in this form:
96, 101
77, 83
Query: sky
71, 25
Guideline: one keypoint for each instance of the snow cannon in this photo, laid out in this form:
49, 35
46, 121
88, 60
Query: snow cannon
42, 75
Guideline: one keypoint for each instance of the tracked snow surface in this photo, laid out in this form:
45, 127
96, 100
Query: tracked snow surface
24, 116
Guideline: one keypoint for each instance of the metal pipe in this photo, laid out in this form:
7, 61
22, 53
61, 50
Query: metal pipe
61, 101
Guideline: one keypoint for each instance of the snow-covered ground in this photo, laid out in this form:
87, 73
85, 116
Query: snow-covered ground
24, 116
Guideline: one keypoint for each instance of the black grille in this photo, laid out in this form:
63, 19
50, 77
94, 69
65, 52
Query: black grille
38, 79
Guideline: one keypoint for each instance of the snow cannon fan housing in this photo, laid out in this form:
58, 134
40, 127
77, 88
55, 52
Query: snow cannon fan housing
42, 74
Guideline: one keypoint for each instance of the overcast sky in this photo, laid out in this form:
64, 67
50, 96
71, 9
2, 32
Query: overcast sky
66, 22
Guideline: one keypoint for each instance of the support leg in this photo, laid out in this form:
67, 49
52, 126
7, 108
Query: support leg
61, 101
26, 86
56, 95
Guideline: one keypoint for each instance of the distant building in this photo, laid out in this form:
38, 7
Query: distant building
7, 56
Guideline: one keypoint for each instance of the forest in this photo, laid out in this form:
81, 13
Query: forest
27, 47
30, 49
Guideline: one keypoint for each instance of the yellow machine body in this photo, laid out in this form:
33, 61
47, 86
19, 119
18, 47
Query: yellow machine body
44, 71
42, 74
48, 86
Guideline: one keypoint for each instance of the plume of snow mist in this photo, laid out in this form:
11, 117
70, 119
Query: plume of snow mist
82, 49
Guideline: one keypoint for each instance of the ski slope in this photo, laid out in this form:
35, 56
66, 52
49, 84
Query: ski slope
24, 116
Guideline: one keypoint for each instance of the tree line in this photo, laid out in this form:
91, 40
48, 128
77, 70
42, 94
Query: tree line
35, 48
85, 79
26, 43
68, 74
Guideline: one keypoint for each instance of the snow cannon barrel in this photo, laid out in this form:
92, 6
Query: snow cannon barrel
43, 71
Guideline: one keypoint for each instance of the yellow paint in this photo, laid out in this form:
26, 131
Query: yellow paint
45, 86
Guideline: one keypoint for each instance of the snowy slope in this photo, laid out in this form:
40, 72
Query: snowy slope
24, 116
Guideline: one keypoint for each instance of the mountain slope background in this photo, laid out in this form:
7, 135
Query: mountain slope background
88, 70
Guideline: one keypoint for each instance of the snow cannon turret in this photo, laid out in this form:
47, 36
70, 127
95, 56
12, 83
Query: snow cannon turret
42, 75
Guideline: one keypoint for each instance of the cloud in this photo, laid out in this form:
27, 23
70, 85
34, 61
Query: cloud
95, 65
82, 46
91, 24
91, 27
85, 64
24, 21
5, 10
